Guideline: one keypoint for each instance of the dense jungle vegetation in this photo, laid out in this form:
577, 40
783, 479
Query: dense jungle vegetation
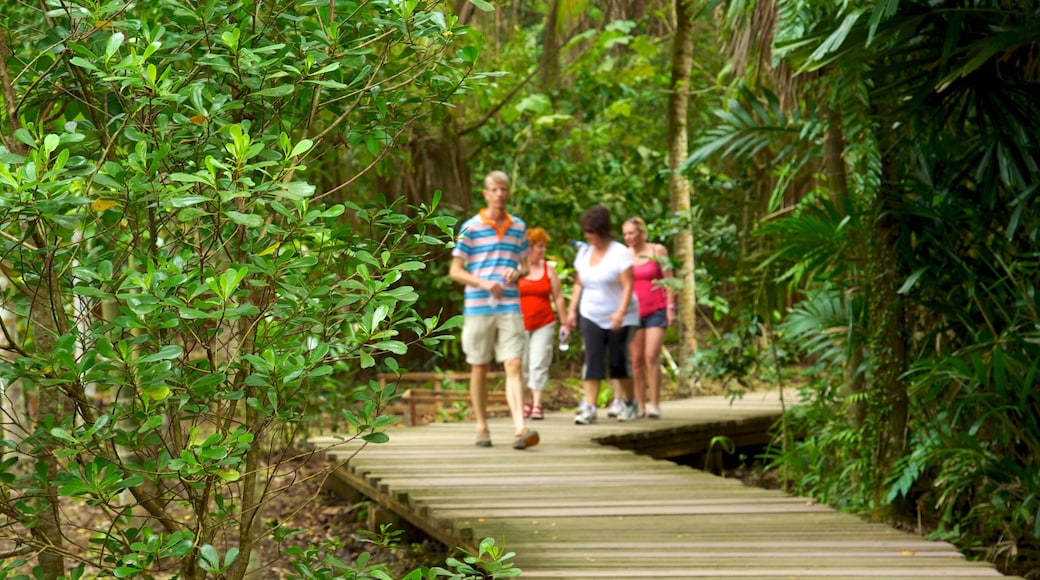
217, 220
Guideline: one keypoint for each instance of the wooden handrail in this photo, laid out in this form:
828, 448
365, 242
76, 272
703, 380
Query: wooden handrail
437, 395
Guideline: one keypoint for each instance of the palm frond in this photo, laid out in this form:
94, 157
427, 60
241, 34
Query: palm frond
815, 242
749, 126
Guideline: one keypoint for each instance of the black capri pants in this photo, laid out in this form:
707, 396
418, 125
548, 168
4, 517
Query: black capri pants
606, 350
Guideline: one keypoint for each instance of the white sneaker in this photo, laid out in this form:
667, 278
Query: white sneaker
587, 416
615, 408
629, 412
653, 411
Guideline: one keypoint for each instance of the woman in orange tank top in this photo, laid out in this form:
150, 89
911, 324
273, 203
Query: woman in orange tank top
539, 294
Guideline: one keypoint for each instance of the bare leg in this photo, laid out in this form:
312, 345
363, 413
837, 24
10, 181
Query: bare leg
654, 341
515, 392
478, 394
639, 367
536, 398
591, 387
626, 387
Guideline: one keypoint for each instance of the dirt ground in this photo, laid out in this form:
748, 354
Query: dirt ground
341, 525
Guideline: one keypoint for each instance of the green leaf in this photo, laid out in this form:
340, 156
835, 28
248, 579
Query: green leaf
126, 571
168, 352
229, 475
200, 177
379, 437
244, 219
410, 266
156, 392
279, 91
302, 147
114, 43
394, 346
297, 190
911, 280
209, 559
195, 314
25, 137
188, 200
83, 63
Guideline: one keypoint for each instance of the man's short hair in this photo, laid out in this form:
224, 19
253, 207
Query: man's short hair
499, 177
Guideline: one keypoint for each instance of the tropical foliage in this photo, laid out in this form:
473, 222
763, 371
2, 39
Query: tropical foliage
216, 218
902, 153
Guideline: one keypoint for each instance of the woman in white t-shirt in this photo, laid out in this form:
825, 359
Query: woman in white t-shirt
604, 308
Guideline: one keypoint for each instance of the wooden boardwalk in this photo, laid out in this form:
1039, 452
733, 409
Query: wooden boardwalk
575, 508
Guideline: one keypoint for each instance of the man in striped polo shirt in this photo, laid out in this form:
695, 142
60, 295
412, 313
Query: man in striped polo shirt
487, 259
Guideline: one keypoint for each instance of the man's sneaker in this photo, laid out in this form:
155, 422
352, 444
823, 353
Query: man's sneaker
581, 407
615, 408
653, 411
586, 417
629, 412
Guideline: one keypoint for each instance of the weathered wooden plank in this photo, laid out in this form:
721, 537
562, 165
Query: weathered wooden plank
775, 562
590, 573
902, 547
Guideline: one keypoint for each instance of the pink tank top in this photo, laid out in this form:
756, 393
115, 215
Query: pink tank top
651, 297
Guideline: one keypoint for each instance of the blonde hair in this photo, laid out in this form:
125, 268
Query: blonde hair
537, 236
639, 224
499, 177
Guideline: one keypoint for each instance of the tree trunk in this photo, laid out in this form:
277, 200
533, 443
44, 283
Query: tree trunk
46, 316
837, 182
679, 187
887, 320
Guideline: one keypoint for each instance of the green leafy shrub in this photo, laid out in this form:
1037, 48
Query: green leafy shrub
182, 293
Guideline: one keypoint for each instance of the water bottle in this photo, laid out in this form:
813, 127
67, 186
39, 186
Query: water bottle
579, 245
564, 335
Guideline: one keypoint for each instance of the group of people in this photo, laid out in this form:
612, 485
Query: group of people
513, 298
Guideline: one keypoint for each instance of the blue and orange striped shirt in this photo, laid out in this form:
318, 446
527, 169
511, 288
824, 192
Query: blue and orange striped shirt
488, 253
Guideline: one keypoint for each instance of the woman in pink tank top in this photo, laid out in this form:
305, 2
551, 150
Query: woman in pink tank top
650, 266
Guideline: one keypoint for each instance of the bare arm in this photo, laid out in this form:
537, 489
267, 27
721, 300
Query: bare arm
627, 280
461, 275
557, 293
661, 255
572, 310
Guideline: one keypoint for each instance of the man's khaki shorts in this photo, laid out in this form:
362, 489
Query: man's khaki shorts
499, 334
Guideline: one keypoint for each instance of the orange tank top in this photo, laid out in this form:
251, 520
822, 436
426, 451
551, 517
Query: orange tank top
536, 300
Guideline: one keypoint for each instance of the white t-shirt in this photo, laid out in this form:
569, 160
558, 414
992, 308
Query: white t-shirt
601, 290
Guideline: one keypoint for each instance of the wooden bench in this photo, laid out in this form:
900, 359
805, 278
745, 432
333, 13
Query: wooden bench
414, 400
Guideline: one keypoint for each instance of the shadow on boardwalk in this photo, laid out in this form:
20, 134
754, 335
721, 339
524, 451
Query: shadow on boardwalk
573, 507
